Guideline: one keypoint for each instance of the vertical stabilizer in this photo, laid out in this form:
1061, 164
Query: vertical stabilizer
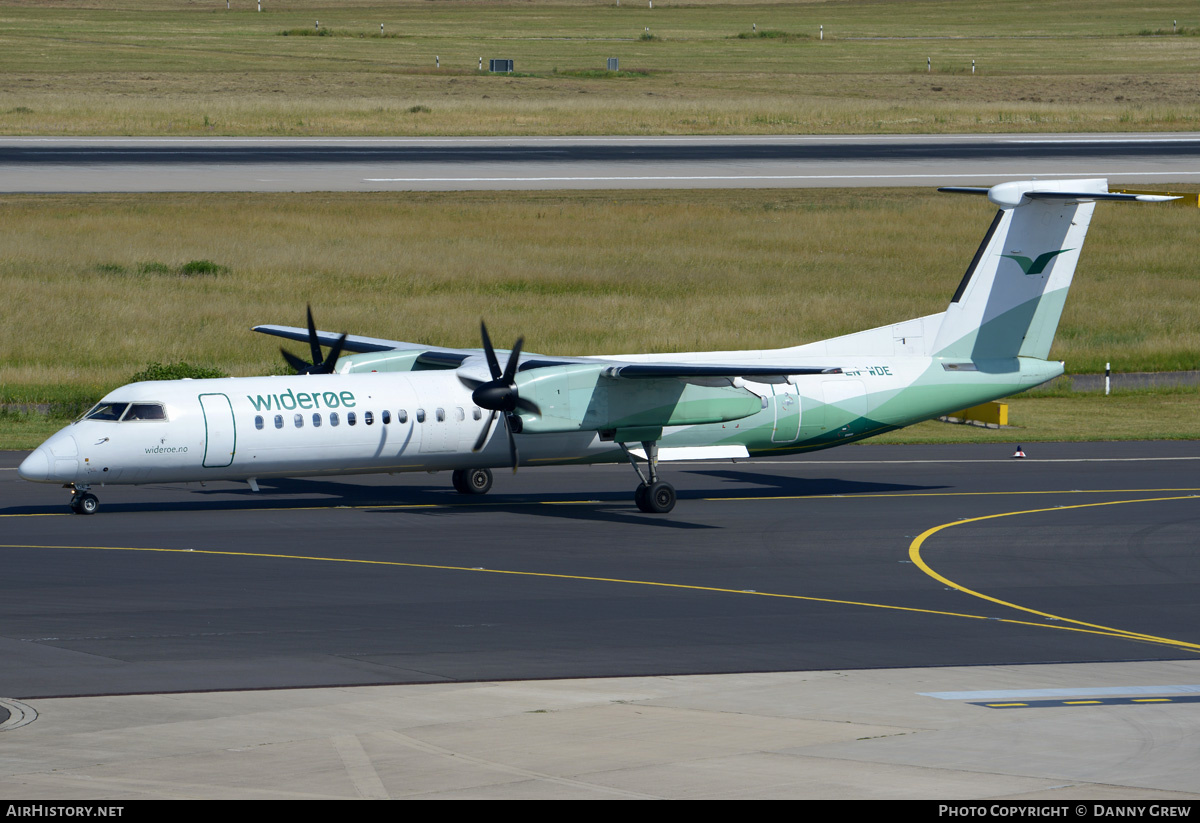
1011, 298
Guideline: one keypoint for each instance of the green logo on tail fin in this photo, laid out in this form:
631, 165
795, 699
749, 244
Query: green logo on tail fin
1035, 266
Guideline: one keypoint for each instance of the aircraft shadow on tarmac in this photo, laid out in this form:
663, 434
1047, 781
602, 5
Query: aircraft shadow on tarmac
613, 506
800, 486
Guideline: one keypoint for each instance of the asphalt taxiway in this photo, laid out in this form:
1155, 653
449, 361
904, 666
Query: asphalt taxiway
782, 598
194, 164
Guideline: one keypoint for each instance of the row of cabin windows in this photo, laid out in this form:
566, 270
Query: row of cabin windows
368, 418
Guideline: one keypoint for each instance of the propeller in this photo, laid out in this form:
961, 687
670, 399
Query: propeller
499, 394
318, 365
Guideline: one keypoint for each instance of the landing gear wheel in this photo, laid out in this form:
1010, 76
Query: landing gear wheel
86, 503
656, 498
661, 497
639, 497
472, 481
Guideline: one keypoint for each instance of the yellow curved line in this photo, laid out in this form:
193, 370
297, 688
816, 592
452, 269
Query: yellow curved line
1081, 627
553, 575
914, 553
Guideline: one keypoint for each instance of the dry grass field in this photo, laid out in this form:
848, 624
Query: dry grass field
191, 67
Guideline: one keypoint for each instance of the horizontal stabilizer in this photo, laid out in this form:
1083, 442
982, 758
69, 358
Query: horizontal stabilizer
1010, 195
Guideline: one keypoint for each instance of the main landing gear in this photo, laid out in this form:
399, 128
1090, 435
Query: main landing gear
83, 501
652, 495
472, 481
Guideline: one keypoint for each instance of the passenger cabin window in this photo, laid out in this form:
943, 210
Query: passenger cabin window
402, 416
368, 417
477, 413
258, 422
459, 414
316, 421
441, 415
351, 418
299, 420
279, 421
420, 415
334, 419
386, 416
145, 411
106, 411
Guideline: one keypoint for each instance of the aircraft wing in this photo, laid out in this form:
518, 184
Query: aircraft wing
431, 355
448, 358
650, 371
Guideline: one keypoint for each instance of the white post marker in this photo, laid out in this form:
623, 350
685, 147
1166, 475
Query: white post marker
929, 64
481, 64
972, 67
1107, 378
437, 62
822, 31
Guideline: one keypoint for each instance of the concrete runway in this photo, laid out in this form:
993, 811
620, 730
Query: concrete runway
557, 642
47, 164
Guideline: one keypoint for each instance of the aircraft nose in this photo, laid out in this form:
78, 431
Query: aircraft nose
36, 466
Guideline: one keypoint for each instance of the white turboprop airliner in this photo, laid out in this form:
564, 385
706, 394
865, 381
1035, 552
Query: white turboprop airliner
398, 407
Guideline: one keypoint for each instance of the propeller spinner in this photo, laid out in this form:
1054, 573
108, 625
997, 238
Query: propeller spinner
499, 394
319, 365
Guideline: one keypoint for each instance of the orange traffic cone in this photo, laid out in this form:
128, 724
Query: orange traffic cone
1018, 452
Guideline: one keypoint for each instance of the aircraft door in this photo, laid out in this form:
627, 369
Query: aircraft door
787, 413
220, 434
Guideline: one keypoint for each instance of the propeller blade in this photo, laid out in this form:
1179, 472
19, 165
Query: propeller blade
500, 393
483, 435
528, 405
512, 444
313, 344
493, 364
329, 364
295, 362
510, 368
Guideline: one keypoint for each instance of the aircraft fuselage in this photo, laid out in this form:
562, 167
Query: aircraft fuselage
305, 425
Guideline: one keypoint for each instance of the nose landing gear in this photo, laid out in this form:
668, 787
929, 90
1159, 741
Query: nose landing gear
83, 501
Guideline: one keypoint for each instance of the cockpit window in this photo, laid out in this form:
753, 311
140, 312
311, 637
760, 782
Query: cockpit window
106, 411
145, 411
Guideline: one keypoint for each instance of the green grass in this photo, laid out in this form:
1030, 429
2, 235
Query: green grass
1152, 414
574, 272
190, 67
